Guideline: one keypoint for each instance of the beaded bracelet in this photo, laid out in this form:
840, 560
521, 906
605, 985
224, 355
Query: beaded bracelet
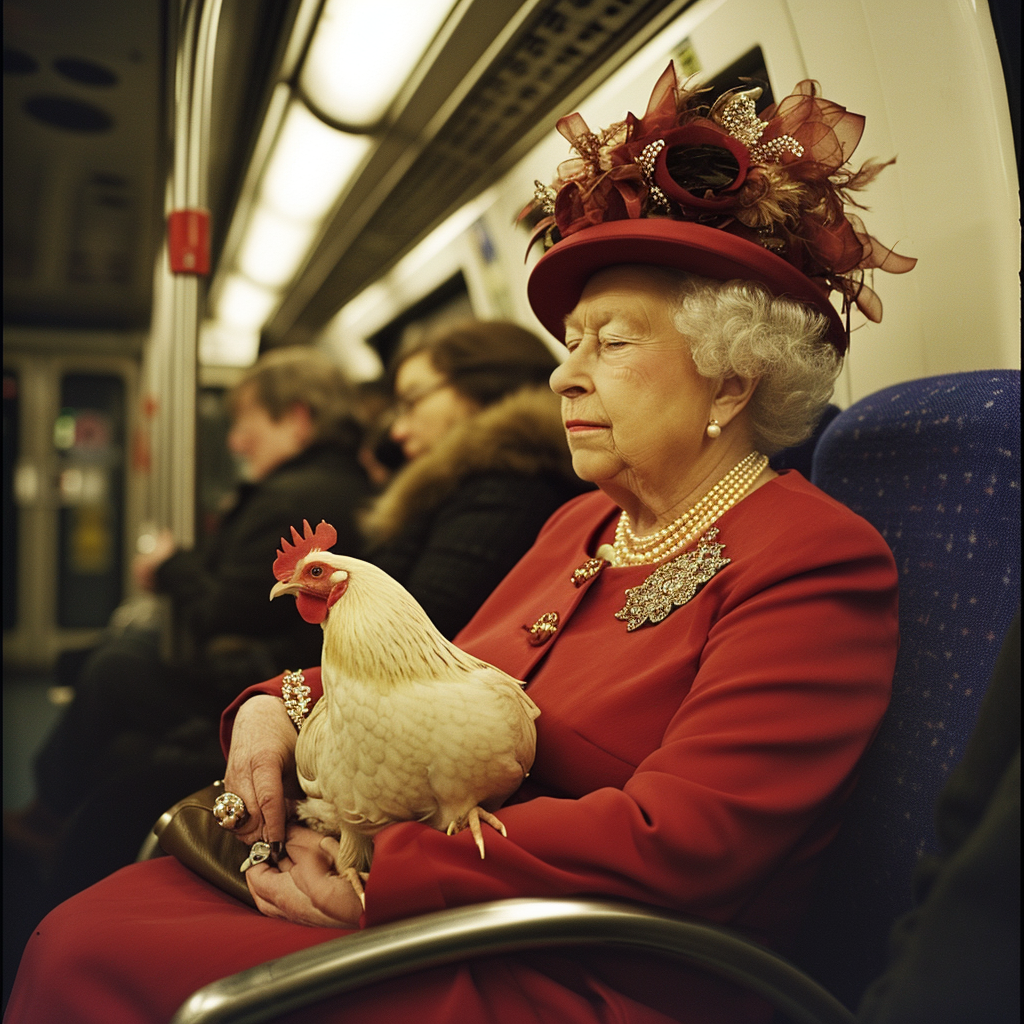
296, 697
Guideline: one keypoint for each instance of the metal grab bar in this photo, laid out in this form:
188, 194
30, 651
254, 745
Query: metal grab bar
386, 951
175, 342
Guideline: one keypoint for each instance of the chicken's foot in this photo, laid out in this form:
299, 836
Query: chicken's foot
471, 820
344, 868
356, 881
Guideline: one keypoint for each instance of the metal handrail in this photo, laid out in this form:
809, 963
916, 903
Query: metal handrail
177, 348
339, 965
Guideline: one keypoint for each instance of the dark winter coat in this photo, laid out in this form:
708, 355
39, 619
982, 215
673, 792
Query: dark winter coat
453, 523
221, 594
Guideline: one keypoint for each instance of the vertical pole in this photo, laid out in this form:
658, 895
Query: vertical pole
189, 259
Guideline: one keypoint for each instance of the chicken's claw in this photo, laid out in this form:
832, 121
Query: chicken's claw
472, 821
356, 881
331, 846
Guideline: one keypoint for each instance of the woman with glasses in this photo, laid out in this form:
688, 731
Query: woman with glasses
488, 464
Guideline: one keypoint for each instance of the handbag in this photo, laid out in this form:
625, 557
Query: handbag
190, 833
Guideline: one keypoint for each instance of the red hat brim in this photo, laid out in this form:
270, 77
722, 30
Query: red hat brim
561, 274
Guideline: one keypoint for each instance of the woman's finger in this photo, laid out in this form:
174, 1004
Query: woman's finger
262, 749
269, 798
241, 783
266, 908
313, 872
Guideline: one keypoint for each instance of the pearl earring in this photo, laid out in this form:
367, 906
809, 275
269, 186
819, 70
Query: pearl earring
713, 430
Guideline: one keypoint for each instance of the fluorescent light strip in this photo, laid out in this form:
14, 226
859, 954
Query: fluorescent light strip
360, 56
362, 53
245, 305
309, 165
220, 345
274, 247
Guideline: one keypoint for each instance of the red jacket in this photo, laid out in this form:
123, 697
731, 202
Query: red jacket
698, 763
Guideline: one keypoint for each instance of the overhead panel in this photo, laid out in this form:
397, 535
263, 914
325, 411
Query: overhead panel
86, 147
81, 149
556, 54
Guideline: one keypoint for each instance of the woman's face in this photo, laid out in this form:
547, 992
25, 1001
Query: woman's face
428, 406
261, 442
633, 404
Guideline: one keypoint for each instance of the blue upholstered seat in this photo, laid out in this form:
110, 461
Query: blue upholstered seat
934, 465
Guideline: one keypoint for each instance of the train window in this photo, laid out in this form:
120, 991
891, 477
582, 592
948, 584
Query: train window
752, 68
88, 436
12, 411
447, 303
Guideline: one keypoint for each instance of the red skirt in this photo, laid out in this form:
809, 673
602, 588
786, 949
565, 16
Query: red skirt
132, 948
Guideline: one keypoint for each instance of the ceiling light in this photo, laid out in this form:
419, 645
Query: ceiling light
309, 165
274, 247
244, 304
362, 53
221, 345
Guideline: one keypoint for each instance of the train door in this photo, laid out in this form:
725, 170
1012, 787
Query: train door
70, 500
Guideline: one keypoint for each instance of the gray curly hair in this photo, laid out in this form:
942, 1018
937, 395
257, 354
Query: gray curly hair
740, 328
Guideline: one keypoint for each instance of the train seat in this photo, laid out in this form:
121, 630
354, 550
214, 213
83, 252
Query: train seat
934, 464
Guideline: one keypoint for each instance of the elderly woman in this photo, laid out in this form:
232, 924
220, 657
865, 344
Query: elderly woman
710, 644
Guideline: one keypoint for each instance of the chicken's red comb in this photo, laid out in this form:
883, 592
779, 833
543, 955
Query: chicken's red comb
324, 538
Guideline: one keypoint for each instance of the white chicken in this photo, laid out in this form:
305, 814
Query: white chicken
410, 728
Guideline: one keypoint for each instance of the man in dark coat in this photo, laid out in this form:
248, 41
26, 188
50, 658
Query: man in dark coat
141, 731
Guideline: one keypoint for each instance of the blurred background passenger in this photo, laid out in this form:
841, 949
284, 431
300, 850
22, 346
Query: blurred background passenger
379, 454
488, 464
293, 430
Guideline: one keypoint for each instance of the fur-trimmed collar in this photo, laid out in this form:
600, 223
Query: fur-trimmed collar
523, 433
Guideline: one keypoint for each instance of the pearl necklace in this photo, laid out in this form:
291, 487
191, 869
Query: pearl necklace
629, 549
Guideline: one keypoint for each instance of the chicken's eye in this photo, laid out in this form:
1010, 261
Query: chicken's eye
316, 570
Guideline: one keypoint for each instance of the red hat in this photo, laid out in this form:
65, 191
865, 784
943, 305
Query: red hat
714, 190
563, 271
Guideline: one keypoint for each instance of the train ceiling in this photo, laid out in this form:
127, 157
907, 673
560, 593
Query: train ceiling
82, 145
86, 145
86, 149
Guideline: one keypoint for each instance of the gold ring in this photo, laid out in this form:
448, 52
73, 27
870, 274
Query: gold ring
230, 811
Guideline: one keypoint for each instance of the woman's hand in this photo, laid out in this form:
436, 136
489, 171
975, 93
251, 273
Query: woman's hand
304, 887
261, 767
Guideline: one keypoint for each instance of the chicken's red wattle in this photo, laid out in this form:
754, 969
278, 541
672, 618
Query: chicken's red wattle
312, 609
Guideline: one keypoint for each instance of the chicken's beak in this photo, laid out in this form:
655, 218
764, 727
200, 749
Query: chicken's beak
284, 587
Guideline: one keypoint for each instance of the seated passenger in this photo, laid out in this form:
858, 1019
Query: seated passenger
293, 429
488, 464
711, 644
